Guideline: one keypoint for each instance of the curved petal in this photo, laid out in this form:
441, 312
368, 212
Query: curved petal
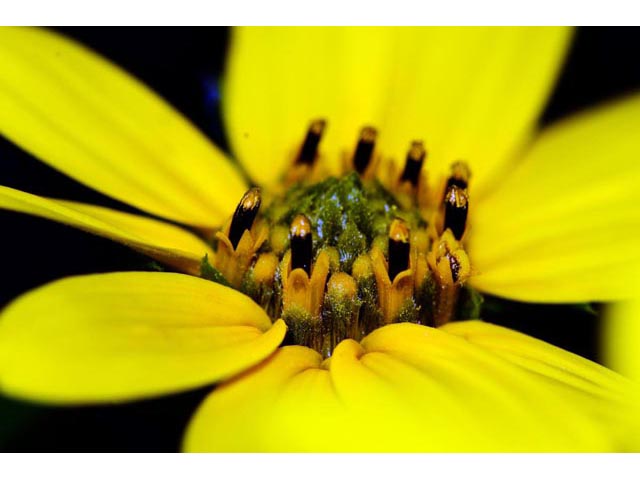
123, 336
471, 93
411, 388
564, 226
166, 243
622, 337
87, 118
604, 394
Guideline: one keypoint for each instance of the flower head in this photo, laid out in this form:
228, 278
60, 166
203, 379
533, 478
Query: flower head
362, 370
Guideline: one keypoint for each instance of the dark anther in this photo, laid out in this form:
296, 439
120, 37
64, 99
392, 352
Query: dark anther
413, 165
460, 175
457, 182
301, 244
398, 248
455, 267
309, 149
456, 204
244, 215
364, 150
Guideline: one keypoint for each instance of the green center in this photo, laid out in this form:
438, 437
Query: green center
346, 213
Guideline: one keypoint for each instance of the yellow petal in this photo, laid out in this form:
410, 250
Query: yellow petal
280, 79
87, 118
622, 337
471, 93
411, 388
539, 357
166, 243
564, 226
604, 394
122, 336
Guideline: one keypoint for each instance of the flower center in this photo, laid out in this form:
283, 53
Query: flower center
337, 257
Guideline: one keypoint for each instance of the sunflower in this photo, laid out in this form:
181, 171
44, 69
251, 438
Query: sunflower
320, 118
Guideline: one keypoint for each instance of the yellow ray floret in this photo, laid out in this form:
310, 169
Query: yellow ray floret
162, 241
564, 225
455, 85
413, 388
87, 118
123, 336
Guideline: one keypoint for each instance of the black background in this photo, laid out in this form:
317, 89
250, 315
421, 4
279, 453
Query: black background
183, 65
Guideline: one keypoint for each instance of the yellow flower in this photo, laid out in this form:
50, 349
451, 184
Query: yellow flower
551, 219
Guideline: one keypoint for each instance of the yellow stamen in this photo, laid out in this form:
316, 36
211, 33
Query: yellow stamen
302, 291
451, 267
234, 263
305, 165
240, 239
392, 295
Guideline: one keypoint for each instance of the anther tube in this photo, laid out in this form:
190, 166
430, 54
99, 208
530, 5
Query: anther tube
301, 244
398, 248
244, 215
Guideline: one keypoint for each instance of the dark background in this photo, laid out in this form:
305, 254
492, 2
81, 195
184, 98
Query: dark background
183, 65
